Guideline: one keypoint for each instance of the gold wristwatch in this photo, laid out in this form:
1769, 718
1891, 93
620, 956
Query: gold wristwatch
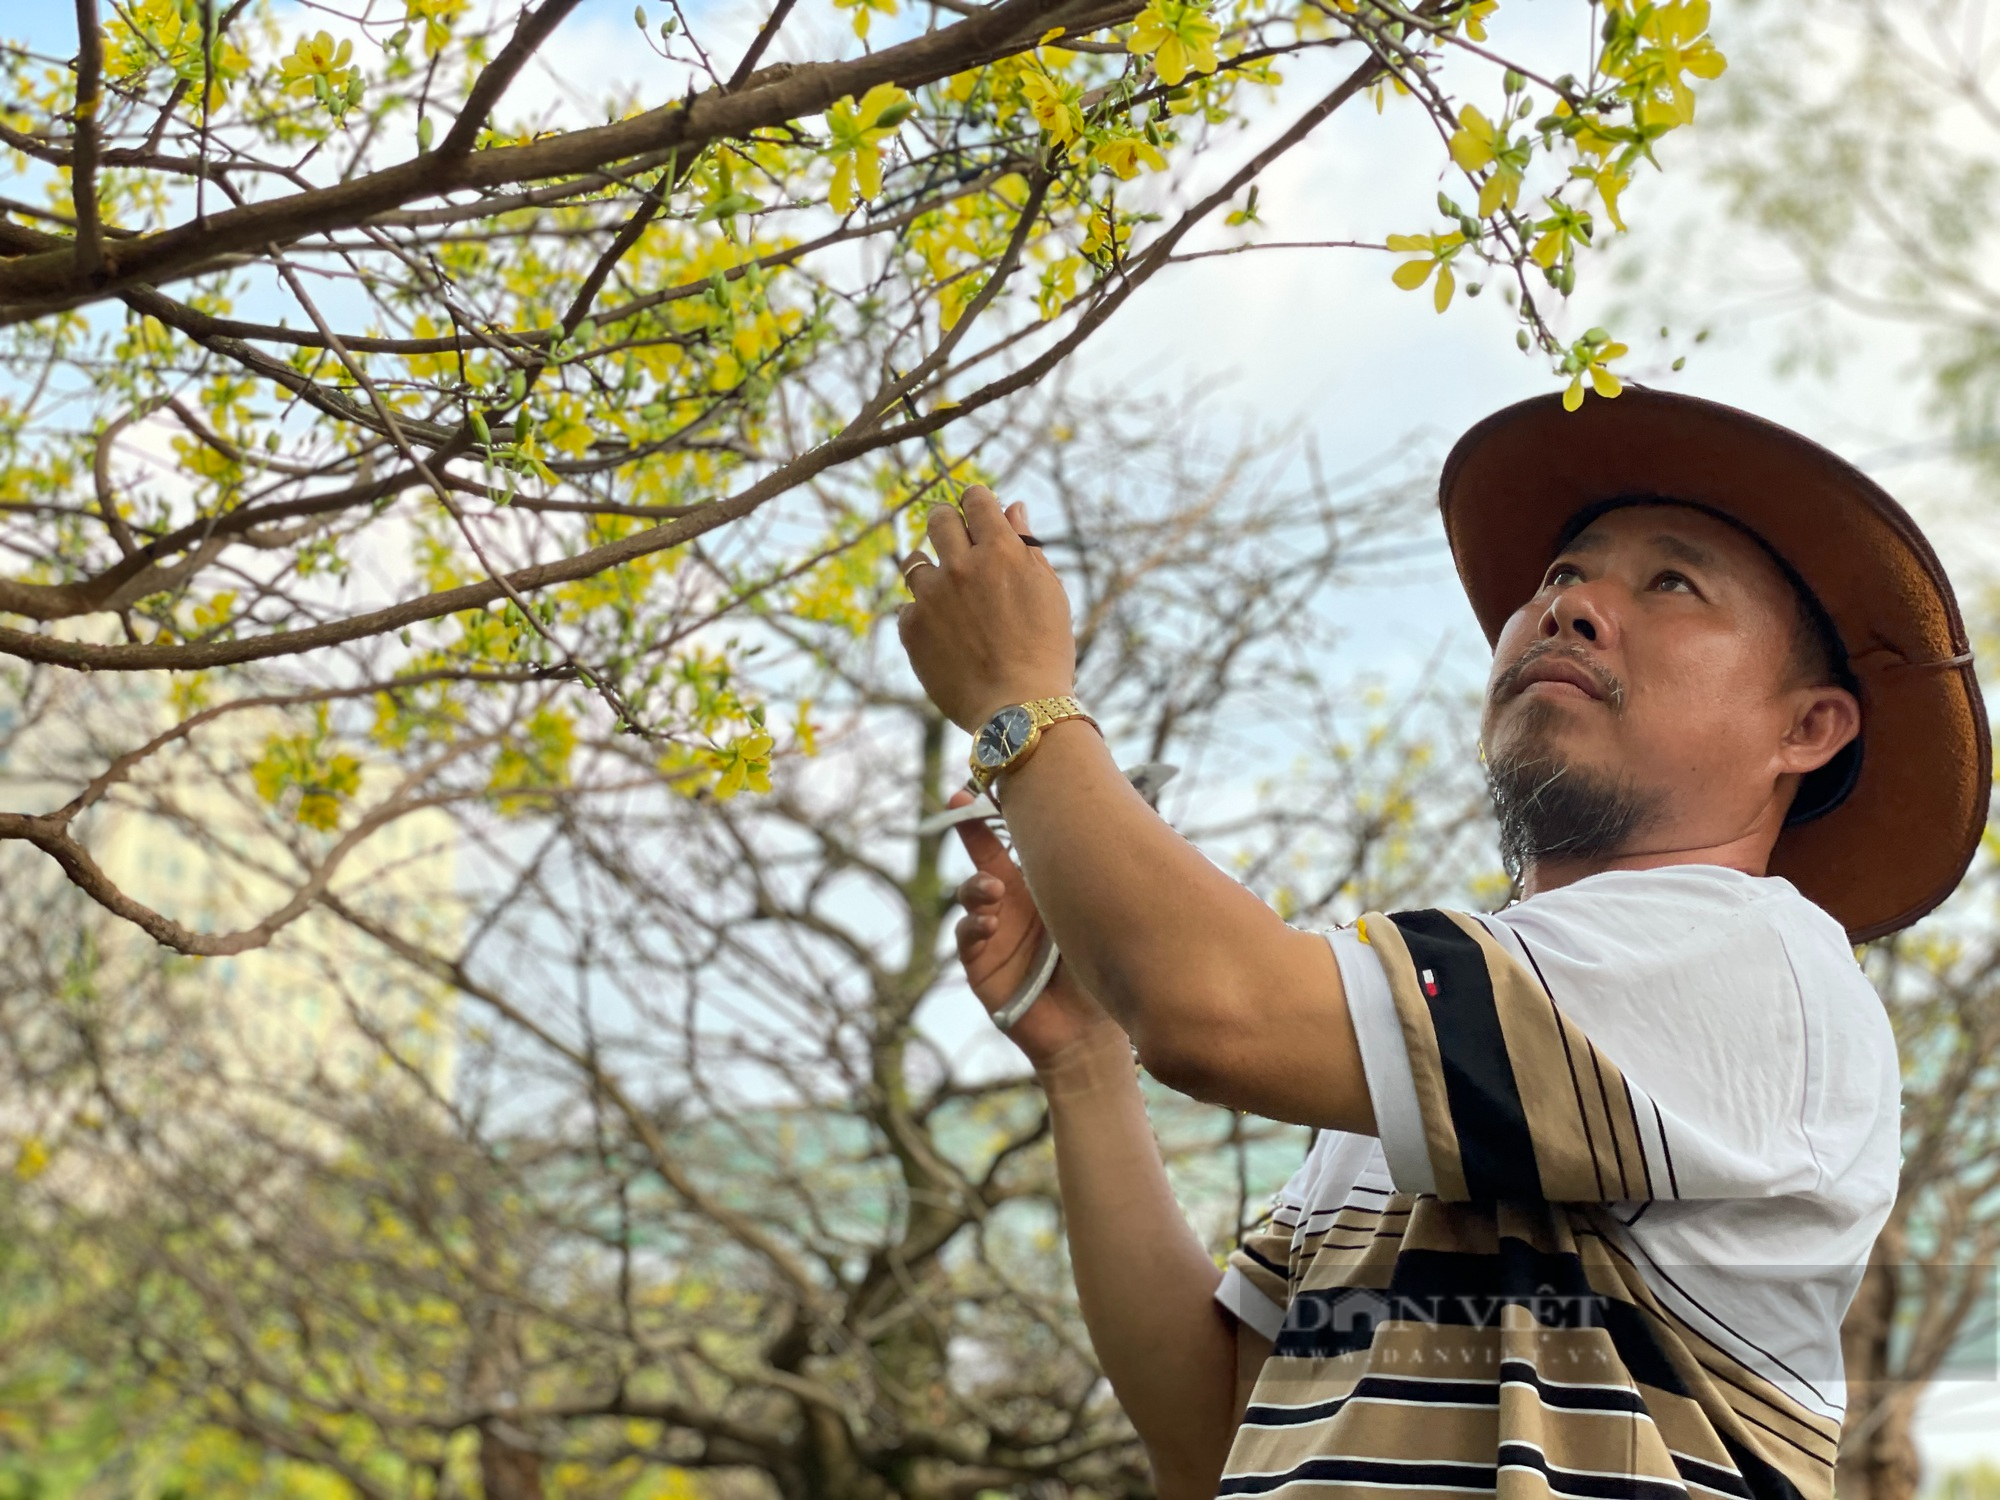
1011, 735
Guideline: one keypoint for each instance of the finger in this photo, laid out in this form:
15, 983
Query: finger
917, 570
946, 528
989, 855
981, 890
983, 516
1017, 517
970, 934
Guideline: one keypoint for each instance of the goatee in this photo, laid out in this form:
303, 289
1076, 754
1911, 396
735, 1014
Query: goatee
1548, 809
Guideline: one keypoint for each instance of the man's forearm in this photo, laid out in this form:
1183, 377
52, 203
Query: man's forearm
1145, 1284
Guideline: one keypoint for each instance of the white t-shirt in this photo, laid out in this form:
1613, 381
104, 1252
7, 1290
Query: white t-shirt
1768, 1089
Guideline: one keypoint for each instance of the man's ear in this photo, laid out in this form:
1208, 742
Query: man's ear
1827, 719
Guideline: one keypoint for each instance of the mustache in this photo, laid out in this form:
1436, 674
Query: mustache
1508, 682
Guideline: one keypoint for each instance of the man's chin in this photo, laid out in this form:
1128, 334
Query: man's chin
1552, 801
1543, 728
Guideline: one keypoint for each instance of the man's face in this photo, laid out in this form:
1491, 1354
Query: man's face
1655, 670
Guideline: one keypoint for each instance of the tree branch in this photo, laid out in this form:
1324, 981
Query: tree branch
35, 284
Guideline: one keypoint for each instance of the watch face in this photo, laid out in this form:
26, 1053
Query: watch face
1002, 737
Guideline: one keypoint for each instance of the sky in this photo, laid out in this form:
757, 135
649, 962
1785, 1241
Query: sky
1321, 339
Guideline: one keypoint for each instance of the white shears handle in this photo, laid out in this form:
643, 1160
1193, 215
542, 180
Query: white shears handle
1148, 779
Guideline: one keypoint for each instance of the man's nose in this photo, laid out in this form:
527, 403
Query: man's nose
1577, 612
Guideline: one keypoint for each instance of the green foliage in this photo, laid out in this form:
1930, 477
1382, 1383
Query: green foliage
462, 407
307, 774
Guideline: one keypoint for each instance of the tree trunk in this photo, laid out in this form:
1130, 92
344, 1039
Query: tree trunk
507, 1471
1878, 1454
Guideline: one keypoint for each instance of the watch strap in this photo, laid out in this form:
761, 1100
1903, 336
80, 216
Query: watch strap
1047, 711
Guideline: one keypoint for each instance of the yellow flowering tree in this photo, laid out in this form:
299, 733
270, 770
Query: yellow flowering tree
1581, 141
682, 1167
487, 415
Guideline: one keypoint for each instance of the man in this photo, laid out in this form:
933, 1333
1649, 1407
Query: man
1597, 1174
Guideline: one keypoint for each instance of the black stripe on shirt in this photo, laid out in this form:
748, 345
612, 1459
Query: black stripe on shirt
1660, 1124
1383, 1473
1711, 1476
1589, 1486
1575, 1080
1419, 1391
1249, 1252
1764, 1481
1564, 1397
1378, 1388
1494, 1145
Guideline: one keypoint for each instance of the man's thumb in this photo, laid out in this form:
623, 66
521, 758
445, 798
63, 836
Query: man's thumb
980, 841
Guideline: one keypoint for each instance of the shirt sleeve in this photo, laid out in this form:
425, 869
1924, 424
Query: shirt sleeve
1515, 1101
1385, 1062
1256, 1284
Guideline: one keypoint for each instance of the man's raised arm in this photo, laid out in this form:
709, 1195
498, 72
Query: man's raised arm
1223, 1000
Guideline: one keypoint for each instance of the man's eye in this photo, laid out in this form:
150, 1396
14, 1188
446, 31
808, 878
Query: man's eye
1563, 573
1673, 583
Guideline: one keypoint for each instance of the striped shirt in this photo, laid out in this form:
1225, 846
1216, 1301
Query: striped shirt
1636, 1139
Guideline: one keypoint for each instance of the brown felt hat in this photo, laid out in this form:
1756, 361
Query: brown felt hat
1914, 804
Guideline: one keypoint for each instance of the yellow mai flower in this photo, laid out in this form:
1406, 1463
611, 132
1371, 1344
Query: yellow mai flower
1436, 252
31, 1158
1123, 155
863, 10
317, 57
1054, 105
1179, 37
568, 431
143, 34
1593, 360
1610, 182
1475, 16
1671, 42
1479, 143
745, 762
1105, 239
955, 296
437, 16
856, 131
323, 777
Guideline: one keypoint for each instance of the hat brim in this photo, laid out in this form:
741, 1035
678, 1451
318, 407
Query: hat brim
1902, 839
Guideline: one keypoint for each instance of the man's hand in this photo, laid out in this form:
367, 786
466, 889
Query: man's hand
997, 939
989, 624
